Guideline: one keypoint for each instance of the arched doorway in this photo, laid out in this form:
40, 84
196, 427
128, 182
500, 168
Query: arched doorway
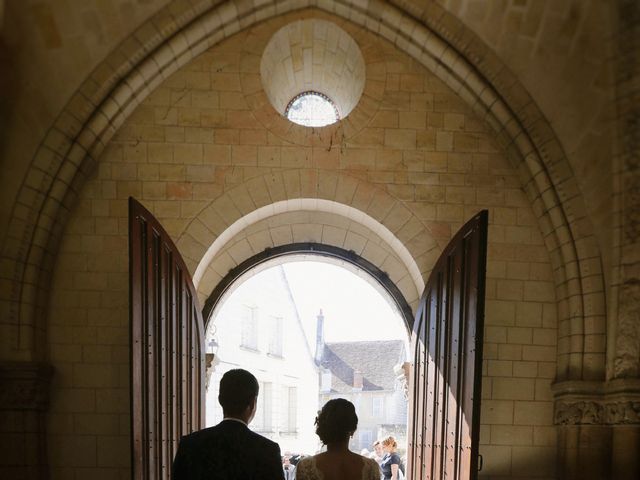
446, 349
300, 250
266, 316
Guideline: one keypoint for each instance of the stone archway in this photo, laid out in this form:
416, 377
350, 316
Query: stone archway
71, 151
433, 37
377, 226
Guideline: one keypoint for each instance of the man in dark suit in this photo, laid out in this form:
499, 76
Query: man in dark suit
230, 451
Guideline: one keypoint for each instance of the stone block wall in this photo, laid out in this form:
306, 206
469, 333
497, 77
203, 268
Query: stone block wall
202, 135
561, 53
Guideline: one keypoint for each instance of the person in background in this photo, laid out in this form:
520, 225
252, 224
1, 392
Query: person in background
390, 465
230, 450
378, 452
335, 424
288, 468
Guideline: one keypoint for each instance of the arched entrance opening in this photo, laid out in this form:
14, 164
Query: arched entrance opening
446, 350
313, 323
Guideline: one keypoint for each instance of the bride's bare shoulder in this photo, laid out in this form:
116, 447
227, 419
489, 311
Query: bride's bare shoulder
307, 460
371, 469
306, 469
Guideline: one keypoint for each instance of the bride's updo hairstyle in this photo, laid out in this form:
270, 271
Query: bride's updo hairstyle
336, 421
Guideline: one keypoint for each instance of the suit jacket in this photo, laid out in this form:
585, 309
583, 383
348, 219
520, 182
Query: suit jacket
228, 451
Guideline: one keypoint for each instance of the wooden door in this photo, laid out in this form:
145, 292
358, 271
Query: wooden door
447, 366
167, 345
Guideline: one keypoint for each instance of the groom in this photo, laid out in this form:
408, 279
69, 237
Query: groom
230, 451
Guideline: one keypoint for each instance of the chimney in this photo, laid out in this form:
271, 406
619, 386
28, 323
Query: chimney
319, 337
358, 380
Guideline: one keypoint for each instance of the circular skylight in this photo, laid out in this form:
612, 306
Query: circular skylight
306, 57
312, 109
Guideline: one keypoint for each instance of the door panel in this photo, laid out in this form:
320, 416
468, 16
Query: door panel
167, 345
447, 367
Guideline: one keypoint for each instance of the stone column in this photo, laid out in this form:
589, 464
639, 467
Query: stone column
598, 429
623, 413
24, 399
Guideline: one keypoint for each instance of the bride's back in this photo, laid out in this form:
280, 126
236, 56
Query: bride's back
338, 466
335, 423
343, 465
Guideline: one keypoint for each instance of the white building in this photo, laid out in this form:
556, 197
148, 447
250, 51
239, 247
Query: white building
258, 328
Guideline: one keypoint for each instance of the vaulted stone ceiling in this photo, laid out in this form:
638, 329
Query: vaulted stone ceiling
557, 49
560, 51
49, 47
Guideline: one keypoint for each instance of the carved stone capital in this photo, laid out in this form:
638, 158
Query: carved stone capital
616, 402
596, 413
623, 413
578, 413
24, 385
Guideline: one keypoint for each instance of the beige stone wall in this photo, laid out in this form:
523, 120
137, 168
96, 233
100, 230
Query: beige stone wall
199, 136
180, 32
47, 49
50, 48
561, 50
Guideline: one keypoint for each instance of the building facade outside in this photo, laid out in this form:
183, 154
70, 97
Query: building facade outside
258, 329
365, 373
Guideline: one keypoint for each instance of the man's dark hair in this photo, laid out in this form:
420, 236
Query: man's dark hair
336, 421
238, 389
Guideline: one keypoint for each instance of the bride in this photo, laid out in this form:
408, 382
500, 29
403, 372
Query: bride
336, 422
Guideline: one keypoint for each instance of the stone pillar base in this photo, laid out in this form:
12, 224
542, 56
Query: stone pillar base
584, 452
625, 449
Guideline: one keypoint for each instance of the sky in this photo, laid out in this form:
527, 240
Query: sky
353, 308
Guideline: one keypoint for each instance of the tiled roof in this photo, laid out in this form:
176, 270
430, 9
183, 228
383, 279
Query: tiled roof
374, 359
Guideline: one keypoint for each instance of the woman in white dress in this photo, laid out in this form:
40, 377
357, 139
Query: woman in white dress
336, 422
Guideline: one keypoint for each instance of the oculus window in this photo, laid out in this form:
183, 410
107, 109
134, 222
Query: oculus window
312, 109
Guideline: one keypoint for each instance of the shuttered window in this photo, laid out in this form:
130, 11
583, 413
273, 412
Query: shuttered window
275, 336
249, 336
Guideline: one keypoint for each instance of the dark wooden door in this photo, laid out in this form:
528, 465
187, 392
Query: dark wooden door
167, 345
447, 366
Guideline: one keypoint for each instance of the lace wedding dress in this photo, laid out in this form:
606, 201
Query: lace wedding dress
307, 470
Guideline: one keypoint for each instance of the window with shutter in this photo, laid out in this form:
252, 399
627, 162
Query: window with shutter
275, 336
249, 337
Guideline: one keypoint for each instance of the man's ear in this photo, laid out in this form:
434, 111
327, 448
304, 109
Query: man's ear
251, 409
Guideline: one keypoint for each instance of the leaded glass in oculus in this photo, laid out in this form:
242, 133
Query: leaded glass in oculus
312, 109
